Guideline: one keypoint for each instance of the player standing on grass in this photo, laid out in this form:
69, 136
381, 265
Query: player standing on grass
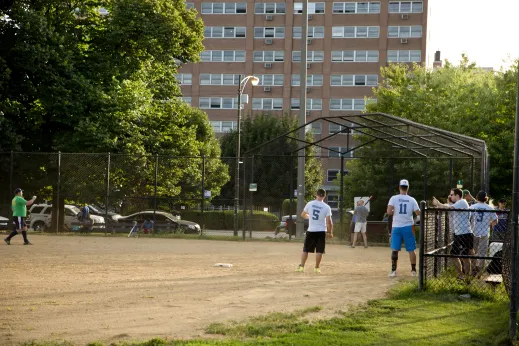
320, 223
19, 207
401, 207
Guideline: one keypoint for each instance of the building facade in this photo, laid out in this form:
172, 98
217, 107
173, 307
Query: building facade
348, 43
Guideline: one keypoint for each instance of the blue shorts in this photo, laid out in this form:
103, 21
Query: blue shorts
403, 233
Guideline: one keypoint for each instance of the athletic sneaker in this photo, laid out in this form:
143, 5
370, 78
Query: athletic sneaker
300, 269
413, 273
317, 270
353, 246
392, 274
7, 241
27, 243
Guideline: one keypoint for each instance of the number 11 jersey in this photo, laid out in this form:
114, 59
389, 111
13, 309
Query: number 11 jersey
404, 206
318, 211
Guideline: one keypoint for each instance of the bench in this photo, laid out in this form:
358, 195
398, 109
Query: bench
494, 280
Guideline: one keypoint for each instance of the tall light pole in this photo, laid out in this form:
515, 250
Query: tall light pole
243, 82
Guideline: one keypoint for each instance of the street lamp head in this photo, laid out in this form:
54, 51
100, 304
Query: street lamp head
254, 80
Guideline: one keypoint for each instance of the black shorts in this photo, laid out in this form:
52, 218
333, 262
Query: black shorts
18, 222
463, 243
315, 242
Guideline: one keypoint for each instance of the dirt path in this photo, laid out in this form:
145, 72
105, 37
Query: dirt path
84, 289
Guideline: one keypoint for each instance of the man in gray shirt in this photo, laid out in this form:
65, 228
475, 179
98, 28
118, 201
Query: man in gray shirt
361, 213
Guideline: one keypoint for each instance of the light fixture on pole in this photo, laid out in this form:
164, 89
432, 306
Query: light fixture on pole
243, 82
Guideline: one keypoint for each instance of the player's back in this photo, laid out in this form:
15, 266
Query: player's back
404, 206
482, 219
318, 211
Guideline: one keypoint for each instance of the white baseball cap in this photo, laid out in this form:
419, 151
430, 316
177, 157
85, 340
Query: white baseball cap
404, 182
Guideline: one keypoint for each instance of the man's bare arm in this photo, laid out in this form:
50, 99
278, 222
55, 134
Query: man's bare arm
305, 215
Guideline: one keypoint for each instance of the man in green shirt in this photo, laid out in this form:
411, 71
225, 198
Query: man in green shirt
19, 207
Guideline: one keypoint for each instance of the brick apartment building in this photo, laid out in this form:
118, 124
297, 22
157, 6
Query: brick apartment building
348, 43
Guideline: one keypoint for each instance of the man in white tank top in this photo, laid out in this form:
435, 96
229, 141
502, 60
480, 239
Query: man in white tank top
319, 215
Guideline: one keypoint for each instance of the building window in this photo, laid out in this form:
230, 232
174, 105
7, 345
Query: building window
267, 104
336, 128
356, 7
269, 8
311, 56
313, 32
218, 103
269, 56
219, 79
270, 79
223, 56
331, 174
347, 104
404, 56
272, 32
404, 31
316, 128
184, 78
313, 8
405, 7
186, 100
355, 56
190, 5
224, 8
332, 201
355, 31
224, 32
311, 104
336, 152
311, 80
223, 126
354, 80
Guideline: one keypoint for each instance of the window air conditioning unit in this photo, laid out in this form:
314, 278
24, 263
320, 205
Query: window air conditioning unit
307, 113
309, 41
267, 89
310, 17
268, 65
308, 65
308, 89
269, 17
403, 40
268, 41
405, 16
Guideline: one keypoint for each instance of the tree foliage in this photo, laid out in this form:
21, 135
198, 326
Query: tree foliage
460, 98
74, 80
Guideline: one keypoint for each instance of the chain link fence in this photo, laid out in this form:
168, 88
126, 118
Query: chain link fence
463, 248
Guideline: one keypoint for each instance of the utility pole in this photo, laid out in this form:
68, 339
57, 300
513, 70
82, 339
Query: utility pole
301, 122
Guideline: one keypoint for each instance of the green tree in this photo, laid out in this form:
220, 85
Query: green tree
74, 80
272, 163
460, 98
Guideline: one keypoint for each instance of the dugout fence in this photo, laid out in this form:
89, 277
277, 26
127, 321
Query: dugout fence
446, 259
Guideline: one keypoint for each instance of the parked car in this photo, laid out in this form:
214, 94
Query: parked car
4, 223
112, 217
170, 221
283, 223
41, 217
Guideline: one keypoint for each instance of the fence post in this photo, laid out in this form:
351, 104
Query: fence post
107, 194
291, 194
155, 189
341, 199
202, 205
244, 206
11, 188
421, 264
252, 192
58, 202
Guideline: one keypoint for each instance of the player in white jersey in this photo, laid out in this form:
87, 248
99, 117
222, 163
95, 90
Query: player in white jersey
463, 242
402, 207
482, 222
320, 223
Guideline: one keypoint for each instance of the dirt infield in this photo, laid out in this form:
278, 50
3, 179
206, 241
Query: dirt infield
85, 289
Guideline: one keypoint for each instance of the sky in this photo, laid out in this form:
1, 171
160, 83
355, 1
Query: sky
487, 31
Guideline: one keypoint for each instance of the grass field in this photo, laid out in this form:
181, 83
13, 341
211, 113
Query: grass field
405, 317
